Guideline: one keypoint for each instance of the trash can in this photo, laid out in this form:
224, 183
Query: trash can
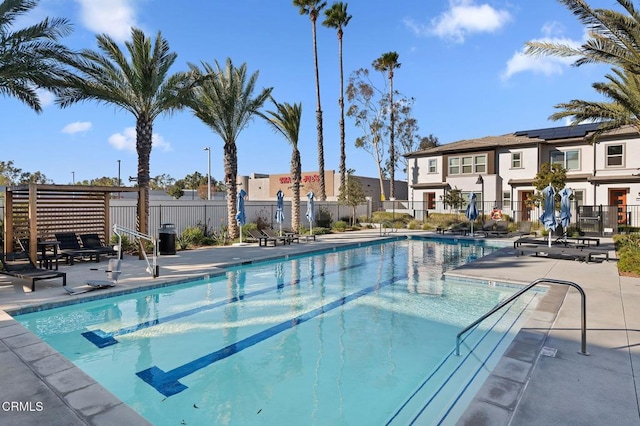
167, 239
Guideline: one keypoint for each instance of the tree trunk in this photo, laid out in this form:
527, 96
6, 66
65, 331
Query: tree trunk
230, 175
296, 173
323, 193
144, 132
343, 155
392, 145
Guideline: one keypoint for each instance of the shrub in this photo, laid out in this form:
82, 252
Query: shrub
380, 217
628, 248
194, 235
415, 224
340, 225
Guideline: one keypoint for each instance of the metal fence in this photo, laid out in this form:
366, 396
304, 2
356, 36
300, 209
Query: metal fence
592, 220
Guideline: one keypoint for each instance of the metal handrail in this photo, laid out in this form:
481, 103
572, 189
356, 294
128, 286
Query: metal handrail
152, 269
583, 297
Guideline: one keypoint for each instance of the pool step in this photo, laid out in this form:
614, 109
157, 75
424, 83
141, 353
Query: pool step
458, 378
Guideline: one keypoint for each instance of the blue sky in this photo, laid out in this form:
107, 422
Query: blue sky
461, 60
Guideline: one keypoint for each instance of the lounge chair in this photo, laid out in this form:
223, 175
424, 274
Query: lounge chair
488, 226
272, 234
502, 230
20, 265
260, 238
524, 228
70, 248
93, 241
113, 273
458, 228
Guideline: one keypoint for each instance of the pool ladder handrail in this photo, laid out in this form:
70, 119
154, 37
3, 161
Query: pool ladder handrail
583, 298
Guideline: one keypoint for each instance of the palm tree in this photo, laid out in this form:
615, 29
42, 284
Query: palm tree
30, 57
224, 101
286, 120
623, 89
387, 63
614, 37
337, 17
313, 8
140, 84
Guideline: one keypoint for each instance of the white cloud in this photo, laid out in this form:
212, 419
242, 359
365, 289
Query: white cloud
545, 65
77, 127
112, 17
127, 141
46, 97
464, 17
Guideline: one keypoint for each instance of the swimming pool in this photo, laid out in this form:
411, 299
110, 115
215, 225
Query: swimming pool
355, 336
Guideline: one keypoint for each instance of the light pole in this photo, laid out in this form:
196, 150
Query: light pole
481, 182
208, 149
73, 177
119, 181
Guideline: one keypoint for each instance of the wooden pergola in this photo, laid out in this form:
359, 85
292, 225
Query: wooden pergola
39, 211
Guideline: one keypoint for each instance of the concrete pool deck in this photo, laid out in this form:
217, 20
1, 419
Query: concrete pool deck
528, 387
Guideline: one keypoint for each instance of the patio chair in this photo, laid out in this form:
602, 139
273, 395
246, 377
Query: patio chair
487, 227
70, 248
502, 229
524, 228
93, 241
272, 234
21, 266
458, 228
260, 238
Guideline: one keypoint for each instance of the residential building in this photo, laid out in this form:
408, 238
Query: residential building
500, 170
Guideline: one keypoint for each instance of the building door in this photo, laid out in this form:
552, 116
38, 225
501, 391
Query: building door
618, 199
525, 210
429, 202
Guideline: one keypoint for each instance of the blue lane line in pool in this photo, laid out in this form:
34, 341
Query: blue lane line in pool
103, 339
167, 383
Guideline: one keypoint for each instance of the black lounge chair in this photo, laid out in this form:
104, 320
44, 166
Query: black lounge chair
93, 242
260, 238
501, 230
20, 265
270, 233
70, 248
524, 228
458, 228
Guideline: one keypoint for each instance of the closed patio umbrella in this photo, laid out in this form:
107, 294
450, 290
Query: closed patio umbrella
565, 209
280, 209
472, 210
241, 218
310, 214
548, 216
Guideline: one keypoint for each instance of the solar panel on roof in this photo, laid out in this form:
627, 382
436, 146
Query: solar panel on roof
559, 132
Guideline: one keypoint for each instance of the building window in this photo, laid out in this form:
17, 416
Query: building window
615, 155
570, 160
468, 165
516, 160
454, 166
480, 164
433, 166
506, 200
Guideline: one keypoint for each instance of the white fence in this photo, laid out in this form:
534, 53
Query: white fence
213, 213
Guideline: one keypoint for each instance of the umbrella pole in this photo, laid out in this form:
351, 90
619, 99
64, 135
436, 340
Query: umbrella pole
549, 237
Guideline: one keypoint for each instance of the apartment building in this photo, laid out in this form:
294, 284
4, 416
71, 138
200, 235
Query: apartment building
604, 175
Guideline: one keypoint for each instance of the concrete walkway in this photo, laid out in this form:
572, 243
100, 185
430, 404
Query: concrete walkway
527, 387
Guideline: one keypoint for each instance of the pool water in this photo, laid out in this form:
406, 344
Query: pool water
349, 337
